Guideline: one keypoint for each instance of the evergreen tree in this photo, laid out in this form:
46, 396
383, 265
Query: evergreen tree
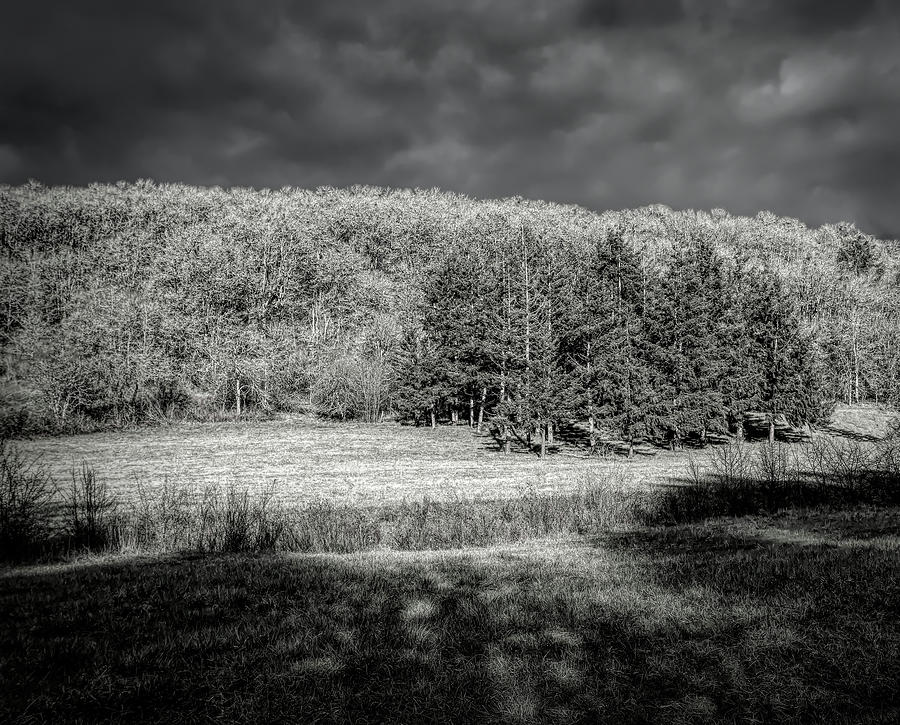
692, 328
420, 386
625, 388
784, 360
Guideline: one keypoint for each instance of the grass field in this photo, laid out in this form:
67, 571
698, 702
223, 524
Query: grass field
787, 617
352, 463
365, 463
864, 421
791, 618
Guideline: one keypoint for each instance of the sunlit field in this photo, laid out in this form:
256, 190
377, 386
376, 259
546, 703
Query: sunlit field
349, 463
370, 464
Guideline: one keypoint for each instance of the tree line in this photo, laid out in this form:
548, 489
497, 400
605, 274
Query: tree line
132, 302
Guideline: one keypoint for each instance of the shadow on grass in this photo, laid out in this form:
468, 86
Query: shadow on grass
722, 622
850, 434
691, 500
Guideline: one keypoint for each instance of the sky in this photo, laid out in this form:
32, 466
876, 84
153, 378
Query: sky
787, 105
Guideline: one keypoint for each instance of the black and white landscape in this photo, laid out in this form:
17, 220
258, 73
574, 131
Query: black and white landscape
472, 362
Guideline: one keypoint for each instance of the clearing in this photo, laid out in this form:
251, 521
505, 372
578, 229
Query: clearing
366, 464
347, 462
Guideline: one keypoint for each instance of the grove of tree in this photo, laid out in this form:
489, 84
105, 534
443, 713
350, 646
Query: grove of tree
142, 302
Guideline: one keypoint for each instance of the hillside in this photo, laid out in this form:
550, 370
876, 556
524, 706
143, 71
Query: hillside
140, 302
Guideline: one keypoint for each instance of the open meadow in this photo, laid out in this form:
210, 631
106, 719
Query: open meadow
353, 463
371, 464
448, 363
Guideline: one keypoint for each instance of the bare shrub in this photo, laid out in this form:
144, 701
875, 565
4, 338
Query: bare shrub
161, 518
352, 387
731, 464
773, 466
26, 502
847, 465
887, 458
90, 510
234, 520
886, 465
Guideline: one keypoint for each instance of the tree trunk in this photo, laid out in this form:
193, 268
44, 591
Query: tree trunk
592, 436
471, 411
772, 429
481, 408
545, 433
550, 433
433, 417
631, 448
237, 396
505, 437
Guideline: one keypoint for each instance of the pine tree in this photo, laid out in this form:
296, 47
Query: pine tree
420, 387
624, 388
784, 359
691, 327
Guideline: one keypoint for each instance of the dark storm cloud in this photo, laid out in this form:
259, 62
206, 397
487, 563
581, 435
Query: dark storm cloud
806, 16
616, 13
790, 105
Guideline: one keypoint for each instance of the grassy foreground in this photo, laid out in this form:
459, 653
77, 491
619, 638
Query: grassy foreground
790, 618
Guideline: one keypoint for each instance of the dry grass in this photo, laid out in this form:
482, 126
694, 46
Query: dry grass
794, 618
865, 421
363, 464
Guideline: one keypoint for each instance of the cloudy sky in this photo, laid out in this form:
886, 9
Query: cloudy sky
788, 105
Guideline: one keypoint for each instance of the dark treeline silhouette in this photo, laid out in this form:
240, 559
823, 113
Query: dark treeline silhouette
132, 302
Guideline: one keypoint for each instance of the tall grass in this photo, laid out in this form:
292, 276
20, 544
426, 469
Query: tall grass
230, 519
730, 480
182, 516
741, 478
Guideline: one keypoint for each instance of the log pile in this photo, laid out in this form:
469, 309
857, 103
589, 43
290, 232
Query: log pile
756, 425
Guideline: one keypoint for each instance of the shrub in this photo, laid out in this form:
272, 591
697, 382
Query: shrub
90, 510
15, 422
352, 387
233, 520
26, 502
160, 518
730, 464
